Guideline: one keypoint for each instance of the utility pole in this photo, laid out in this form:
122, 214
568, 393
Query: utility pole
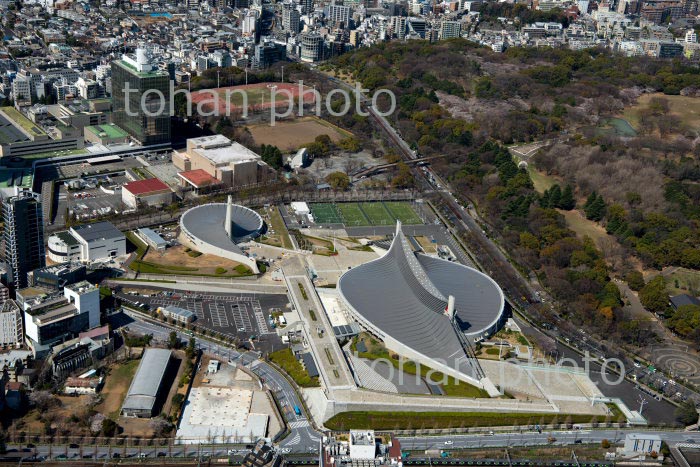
283, 74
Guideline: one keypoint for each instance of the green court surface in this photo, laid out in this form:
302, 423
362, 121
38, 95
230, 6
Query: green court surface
325, 213
365, 213
352, 214
377, 213
404, 212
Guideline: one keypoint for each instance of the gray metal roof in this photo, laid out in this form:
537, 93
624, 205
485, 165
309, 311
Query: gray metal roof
179, 311
206, 223
97, 231
405, 295
149, 375
152, 236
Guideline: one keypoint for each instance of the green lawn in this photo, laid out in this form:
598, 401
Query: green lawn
682, 281
584, 227
686, 108
286, 360
451, 386
377, 213
325, 213
540, 180
352, 214
418, 420
404, 212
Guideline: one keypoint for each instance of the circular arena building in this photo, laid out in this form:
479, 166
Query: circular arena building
218, 228
425, 308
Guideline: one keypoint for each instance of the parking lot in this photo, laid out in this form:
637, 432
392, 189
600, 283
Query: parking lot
245, 316
91, 201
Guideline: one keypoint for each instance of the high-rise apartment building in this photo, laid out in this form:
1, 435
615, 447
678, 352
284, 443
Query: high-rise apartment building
290, 18
23, 248
145, 112
11, 329
340, 14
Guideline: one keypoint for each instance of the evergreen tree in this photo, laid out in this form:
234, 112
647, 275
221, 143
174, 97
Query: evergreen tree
555, 196
567, 201
591, 198
544, 200
597, 209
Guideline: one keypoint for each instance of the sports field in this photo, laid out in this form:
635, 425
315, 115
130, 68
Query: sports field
253, 96
377, 213
403, 212
365, 214
325, 213
352, 214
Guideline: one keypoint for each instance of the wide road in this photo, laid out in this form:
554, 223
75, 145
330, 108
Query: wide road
532, 438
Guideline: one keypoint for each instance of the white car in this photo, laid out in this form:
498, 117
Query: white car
637, 365
448, 443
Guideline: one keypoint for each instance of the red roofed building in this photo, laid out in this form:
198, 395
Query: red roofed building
198, 179
149, 192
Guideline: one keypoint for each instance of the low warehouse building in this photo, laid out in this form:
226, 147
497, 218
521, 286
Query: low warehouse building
177, 314
146, 391
149, 192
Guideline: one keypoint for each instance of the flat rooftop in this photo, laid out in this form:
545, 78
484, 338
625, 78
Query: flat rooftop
19, 119
109, 131
225, 155
9, 178
98, 231
219, 411
198, 178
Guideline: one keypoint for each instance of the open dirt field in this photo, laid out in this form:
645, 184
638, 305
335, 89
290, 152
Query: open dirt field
202, 264
115, 388
254, 96
290, 135
584, 227
686, 108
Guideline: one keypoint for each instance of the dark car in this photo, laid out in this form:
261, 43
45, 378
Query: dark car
116, 455
73, 446
578, 441
162, 454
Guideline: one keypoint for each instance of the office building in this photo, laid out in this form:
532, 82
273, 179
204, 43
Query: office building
57, 276
23, 246
450, 29
11, 330
148, 124
290, 18
307, 6
52, 317
88, 242
227, 161
339, 15
311, 47
398, 27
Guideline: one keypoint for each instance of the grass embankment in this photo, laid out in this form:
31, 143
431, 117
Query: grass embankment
451, 387
428, 420
277, 224
149, 267
286, 360
319, 246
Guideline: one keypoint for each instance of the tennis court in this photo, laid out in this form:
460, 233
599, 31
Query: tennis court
403, 212
325, 213
377, 213
352, 214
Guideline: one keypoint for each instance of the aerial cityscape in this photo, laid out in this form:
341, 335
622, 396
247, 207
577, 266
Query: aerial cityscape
349, 233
